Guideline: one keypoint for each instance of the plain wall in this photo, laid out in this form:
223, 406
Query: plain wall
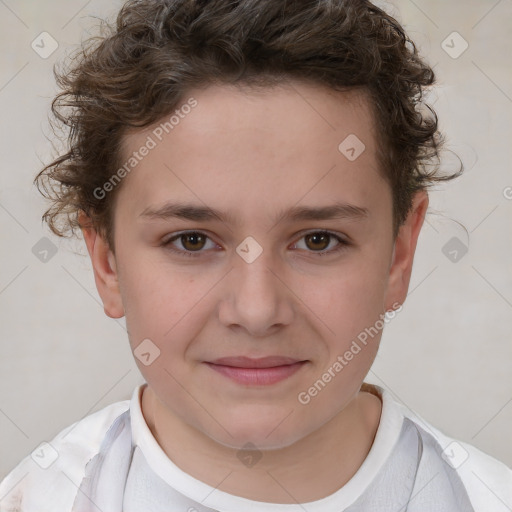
447, 355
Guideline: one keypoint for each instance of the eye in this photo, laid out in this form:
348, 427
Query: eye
192, 243
317, 242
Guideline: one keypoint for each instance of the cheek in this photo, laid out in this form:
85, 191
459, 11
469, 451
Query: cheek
351, 299
351, 311
155, 301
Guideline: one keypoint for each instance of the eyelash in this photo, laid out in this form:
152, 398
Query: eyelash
343, 244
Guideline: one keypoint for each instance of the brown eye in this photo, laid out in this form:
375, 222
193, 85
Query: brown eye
322, 243
318, 241
193, 241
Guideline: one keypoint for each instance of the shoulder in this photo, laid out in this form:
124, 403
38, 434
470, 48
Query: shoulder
487, 481
49, 477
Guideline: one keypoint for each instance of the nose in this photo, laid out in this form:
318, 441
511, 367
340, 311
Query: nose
256, 297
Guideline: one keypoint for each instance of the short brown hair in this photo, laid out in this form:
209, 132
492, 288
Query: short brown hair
159, 49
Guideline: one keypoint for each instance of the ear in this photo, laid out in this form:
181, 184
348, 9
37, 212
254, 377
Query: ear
403, 253
104, 266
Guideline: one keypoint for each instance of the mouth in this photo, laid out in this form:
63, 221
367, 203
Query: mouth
256, 372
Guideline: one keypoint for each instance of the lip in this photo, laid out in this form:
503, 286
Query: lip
256, 372
261, 362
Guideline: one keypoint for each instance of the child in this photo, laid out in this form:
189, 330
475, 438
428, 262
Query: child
253, 130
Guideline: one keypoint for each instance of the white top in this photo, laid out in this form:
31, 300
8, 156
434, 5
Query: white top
110, 461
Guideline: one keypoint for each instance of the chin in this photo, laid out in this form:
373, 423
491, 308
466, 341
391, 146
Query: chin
269, 435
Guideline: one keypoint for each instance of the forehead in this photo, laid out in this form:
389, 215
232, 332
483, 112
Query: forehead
249, 148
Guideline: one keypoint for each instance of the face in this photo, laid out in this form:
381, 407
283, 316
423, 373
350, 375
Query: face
247, 231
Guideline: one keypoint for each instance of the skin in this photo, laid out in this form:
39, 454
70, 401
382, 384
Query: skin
255, 154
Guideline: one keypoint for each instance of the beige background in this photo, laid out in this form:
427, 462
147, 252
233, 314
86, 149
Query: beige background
447, 355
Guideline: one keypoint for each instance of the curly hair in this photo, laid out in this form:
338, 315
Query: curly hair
140, 70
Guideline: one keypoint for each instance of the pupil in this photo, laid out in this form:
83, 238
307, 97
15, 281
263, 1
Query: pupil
194, 237
317, 237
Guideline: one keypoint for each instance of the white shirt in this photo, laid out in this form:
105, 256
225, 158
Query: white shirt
110, 461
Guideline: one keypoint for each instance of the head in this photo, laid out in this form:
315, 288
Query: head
250, 179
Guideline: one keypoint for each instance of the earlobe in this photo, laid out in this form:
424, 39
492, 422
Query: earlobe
104, 268
404, 250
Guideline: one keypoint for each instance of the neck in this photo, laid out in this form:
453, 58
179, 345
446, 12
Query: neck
333, 453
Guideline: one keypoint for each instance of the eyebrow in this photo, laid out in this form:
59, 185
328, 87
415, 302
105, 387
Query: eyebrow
297, 213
